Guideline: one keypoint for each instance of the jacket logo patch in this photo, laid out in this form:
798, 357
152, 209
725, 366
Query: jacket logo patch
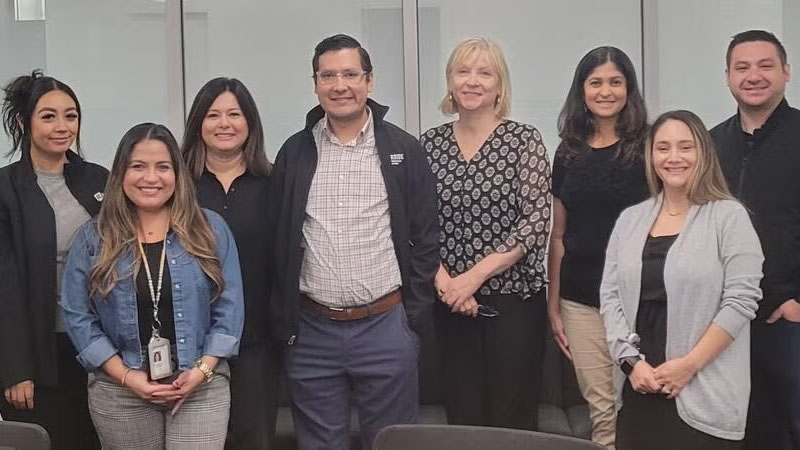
99, 196
396, 158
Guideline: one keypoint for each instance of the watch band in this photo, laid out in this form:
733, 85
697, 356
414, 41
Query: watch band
628, 363
208, 372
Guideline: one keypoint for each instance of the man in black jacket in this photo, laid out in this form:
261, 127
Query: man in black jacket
355, 253
759, 150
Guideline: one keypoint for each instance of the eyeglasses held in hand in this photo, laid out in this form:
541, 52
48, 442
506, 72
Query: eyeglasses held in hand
350, 77
487, 311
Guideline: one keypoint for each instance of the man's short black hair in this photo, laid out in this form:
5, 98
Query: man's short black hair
338, 42
755, 36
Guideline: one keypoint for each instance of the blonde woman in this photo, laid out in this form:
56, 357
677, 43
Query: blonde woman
152, 298
493, 184
680, 286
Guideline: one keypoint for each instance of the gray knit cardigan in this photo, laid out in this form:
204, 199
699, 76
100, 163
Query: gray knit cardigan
711, 274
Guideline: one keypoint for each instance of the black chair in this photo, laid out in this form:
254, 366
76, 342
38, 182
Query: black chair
23, 436
458, 437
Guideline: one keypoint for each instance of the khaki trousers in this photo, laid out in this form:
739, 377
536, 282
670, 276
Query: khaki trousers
593, 367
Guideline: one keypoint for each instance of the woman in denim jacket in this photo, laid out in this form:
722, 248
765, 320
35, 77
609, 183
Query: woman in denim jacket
150, 234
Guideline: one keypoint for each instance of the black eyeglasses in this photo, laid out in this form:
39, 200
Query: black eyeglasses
487, 311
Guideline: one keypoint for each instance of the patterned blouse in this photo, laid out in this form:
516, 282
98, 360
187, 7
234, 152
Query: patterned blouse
491, 203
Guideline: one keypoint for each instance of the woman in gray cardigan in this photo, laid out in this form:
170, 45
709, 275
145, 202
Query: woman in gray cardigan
680, 286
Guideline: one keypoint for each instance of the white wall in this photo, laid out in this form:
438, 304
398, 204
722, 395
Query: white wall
112, 54
693, 37
269, 45
22, 49
543, 41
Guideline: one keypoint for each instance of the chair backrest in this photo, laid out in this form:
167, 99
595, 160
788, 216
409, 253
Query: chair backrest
458, 437
23, 436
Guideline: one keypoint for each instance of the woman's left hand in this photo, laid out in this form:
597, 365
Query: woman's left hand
674, 375
460, 289
186, 382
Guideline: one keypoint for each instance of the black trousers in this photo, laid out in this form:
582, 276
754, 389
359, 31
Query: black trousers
62, 409
492, 366
773, 420
255, 375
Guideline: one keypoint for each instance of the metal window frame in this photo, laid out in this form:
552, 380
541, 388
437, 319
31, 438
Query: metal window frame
411, 65
176, 79
650, 56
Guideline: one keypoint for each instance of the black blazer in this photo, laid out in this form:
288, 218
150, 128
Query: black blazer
28, 266
413, 216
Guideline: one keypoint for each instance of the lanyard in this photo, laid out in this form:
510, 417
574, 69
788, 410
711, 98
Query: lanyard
155, 292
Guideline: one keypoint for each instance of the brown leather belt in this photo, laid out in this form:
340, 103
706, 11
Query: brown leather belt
379, 306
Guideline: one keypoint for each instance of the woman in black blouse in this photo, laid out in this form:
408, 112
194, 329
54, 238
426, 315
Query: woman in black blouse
598, 171
493, 183
224, 148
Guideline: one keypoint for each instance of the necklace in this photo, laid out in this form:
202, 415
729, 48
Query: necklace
675, 214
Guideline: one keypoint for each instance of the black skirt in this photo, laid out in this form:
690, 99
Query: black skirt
651, 421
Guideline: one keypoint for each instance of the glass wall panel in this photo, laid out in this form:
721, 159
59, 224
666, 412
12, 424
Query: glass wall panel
111, 52
543, 41
269, 45
692, 38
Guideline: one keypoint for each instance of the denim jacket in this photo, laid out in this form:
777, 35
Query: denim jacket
102, 327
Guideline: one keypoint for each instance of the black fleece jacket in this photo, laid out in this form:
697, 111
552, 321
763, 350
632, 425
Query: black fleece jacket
412, 207
763, 172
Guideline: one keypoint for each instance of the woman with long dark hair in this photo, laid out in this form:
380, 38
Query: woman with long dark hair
224, 148
152, 300
44, 198
598, 171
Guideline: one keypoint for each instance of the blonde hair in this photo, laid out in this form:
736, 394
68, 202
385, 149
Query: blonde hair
117, 222
707, 182
466, 49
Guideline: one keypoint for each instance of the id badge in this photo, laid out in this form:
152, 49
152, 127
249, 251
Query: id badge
158, 354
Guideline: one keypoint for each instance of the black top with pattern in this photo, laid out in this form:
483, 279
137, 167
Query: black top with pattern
594, 188
491, 203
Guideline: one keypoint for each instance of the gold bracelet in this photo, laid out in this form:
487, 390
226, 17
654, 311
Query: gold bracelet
208, 372
125, 376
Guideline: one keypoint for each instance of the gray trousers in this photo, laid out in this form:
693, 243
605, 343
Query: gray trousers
125, 421
369, 363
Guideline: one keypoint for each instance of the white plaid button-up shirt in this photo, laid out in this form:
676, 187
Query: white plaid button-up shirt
349, 256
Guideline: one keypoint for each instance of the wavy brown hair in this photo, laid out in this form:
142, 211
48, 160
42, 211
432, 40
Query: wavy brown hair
707, 183
118, 222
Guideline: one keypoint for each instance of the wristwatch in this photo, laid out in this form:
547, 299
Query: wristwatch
627, 364
208, 372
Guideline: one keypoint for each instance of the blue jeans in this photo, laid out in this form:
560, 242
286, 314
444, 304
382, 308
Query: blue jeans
370, 363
